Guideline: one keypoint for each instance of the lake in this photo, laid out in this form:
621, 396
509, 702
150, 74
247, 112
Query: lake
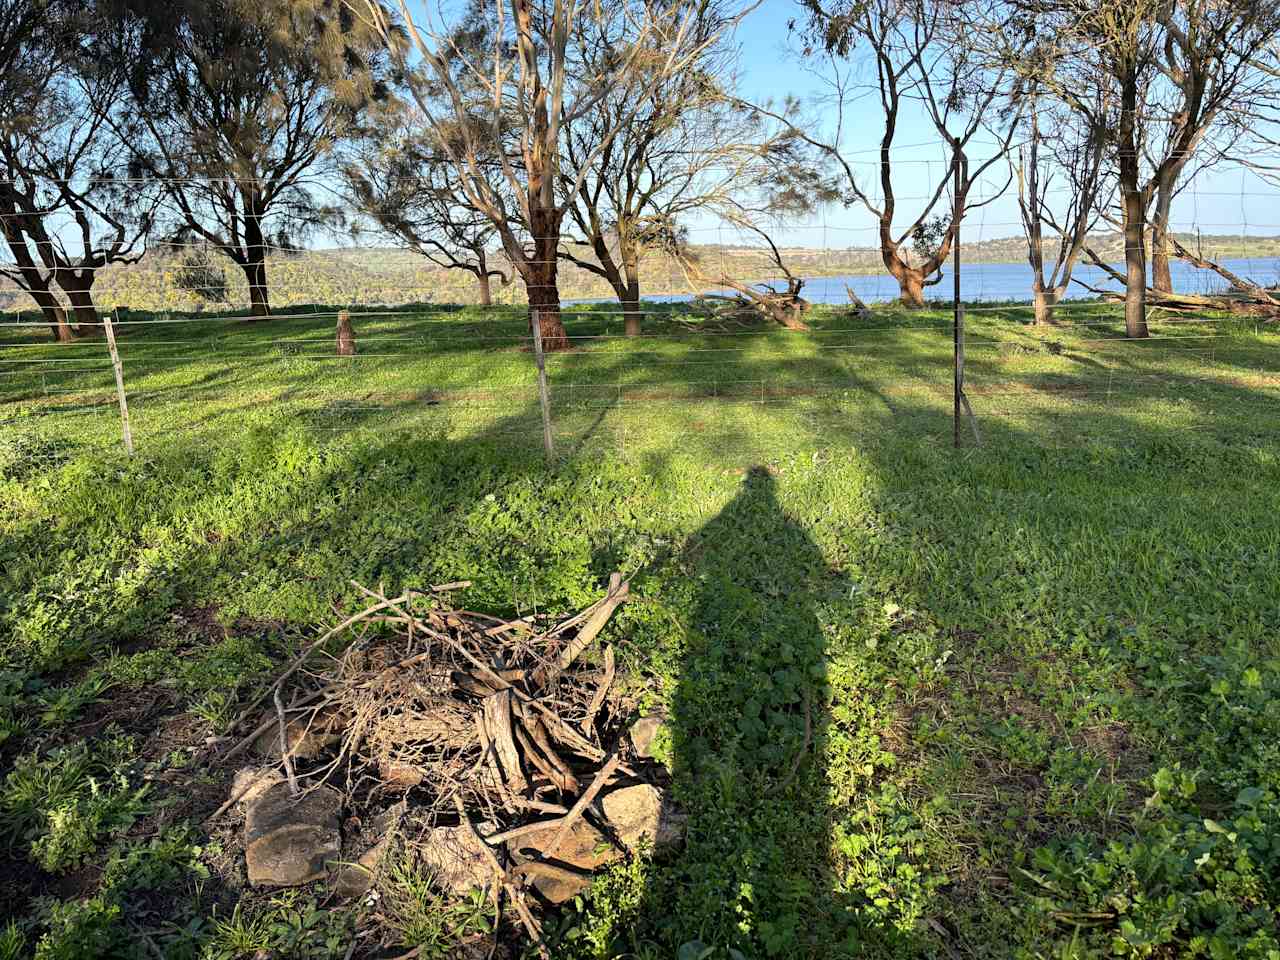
1012, 281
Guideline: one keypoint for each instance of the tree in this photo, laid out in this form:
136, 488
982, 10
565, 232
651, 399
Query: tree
66, 210
924, 59
235, 105
200, 275
1069, 154
1209, 73
1173, 66
500, 85
679, 143
403, 182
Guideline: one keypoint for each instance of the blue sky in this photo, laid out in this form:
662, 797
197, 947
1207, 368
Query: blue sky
1227, 200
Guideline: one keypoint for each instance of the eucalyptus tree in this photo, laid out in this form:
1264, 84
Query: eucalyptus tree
496, 89
680, 145
925, 61
1061, 190
401, 179
1174, 69
236, 108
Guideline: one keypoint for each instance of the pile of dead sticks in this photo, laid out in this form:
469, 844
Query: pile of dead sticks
484, 722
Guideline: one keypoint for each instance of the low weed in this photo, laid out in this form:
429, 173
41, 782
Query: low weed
61, 806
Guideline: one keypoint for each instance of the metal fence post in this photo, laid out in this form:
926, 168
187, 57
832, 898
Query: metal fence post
119, 371
957, 320
957, 324
544, 396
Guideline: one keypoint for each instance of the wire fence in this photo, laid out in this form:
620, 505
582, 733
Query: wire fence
694, 380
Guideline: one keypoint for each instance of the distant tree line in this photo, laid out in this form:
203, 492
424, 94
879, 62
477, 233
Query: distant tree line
503, 138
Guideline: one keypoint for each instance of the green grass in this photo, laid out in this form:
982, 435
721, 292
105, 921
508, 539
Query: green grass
1040, 676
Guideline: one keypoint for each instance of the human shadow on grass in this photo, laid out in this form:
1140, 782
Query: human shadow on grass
750, 726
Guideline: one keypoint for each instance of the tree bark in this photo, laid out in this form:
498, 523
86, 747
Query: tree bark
33, 279
486, 290
87, 322
1161, 275
544, 304
632, 316
910, 283
255, 269
346, 335
1045, 301
54, 313
1135, 209
541, 279
1135, 262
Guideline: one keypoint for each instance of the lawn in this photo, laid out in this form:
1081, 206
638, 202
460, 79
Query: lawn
1016, 700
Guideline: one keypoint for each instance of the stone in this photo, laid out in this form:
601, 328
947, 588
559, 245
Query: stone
291, 840
632, 812
455, 859
644, 733
306, 737
640, 811
405, 776
355, 879
250, 782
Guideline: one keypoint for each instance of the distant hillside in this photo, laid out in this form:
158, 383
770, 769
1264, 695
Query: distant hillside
389, 276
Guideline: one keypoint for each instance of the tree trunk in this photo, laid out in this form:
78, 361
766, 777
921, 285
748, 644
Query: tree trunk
53, 313
486, 291
87, 321
1135, 261
544, 305
62, 332
346, 335
1045, 301
631, 313
259, 304
911, 286
541, 280
255, 269
1161, 275
1135, 209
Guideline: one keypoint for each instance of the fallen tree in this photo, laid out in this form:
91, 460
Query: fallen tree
785, 306
1245, 296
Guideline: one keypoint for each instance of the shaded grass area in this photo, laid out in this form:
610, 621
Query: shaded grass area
1013, 701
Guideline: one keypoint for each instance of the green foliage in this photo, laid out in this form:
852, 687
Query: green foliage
608, 921
13, 942
423, 918
59, 706
61, 806
83, 928
201, 276
1020, 700
291, 926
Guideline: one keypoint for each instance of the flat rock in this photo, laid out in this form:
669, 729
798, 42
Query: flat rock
645, 731
632, 812
355, 879
455, 859
251, 782
640, 811
291, 840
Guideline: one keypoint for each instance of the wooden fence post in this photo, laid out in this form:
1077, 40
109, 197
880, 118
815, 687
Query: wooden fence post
119, 370
544, 396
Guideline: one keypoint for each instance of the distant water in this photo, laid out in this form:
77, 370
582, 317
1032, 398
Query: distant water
1012, 281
